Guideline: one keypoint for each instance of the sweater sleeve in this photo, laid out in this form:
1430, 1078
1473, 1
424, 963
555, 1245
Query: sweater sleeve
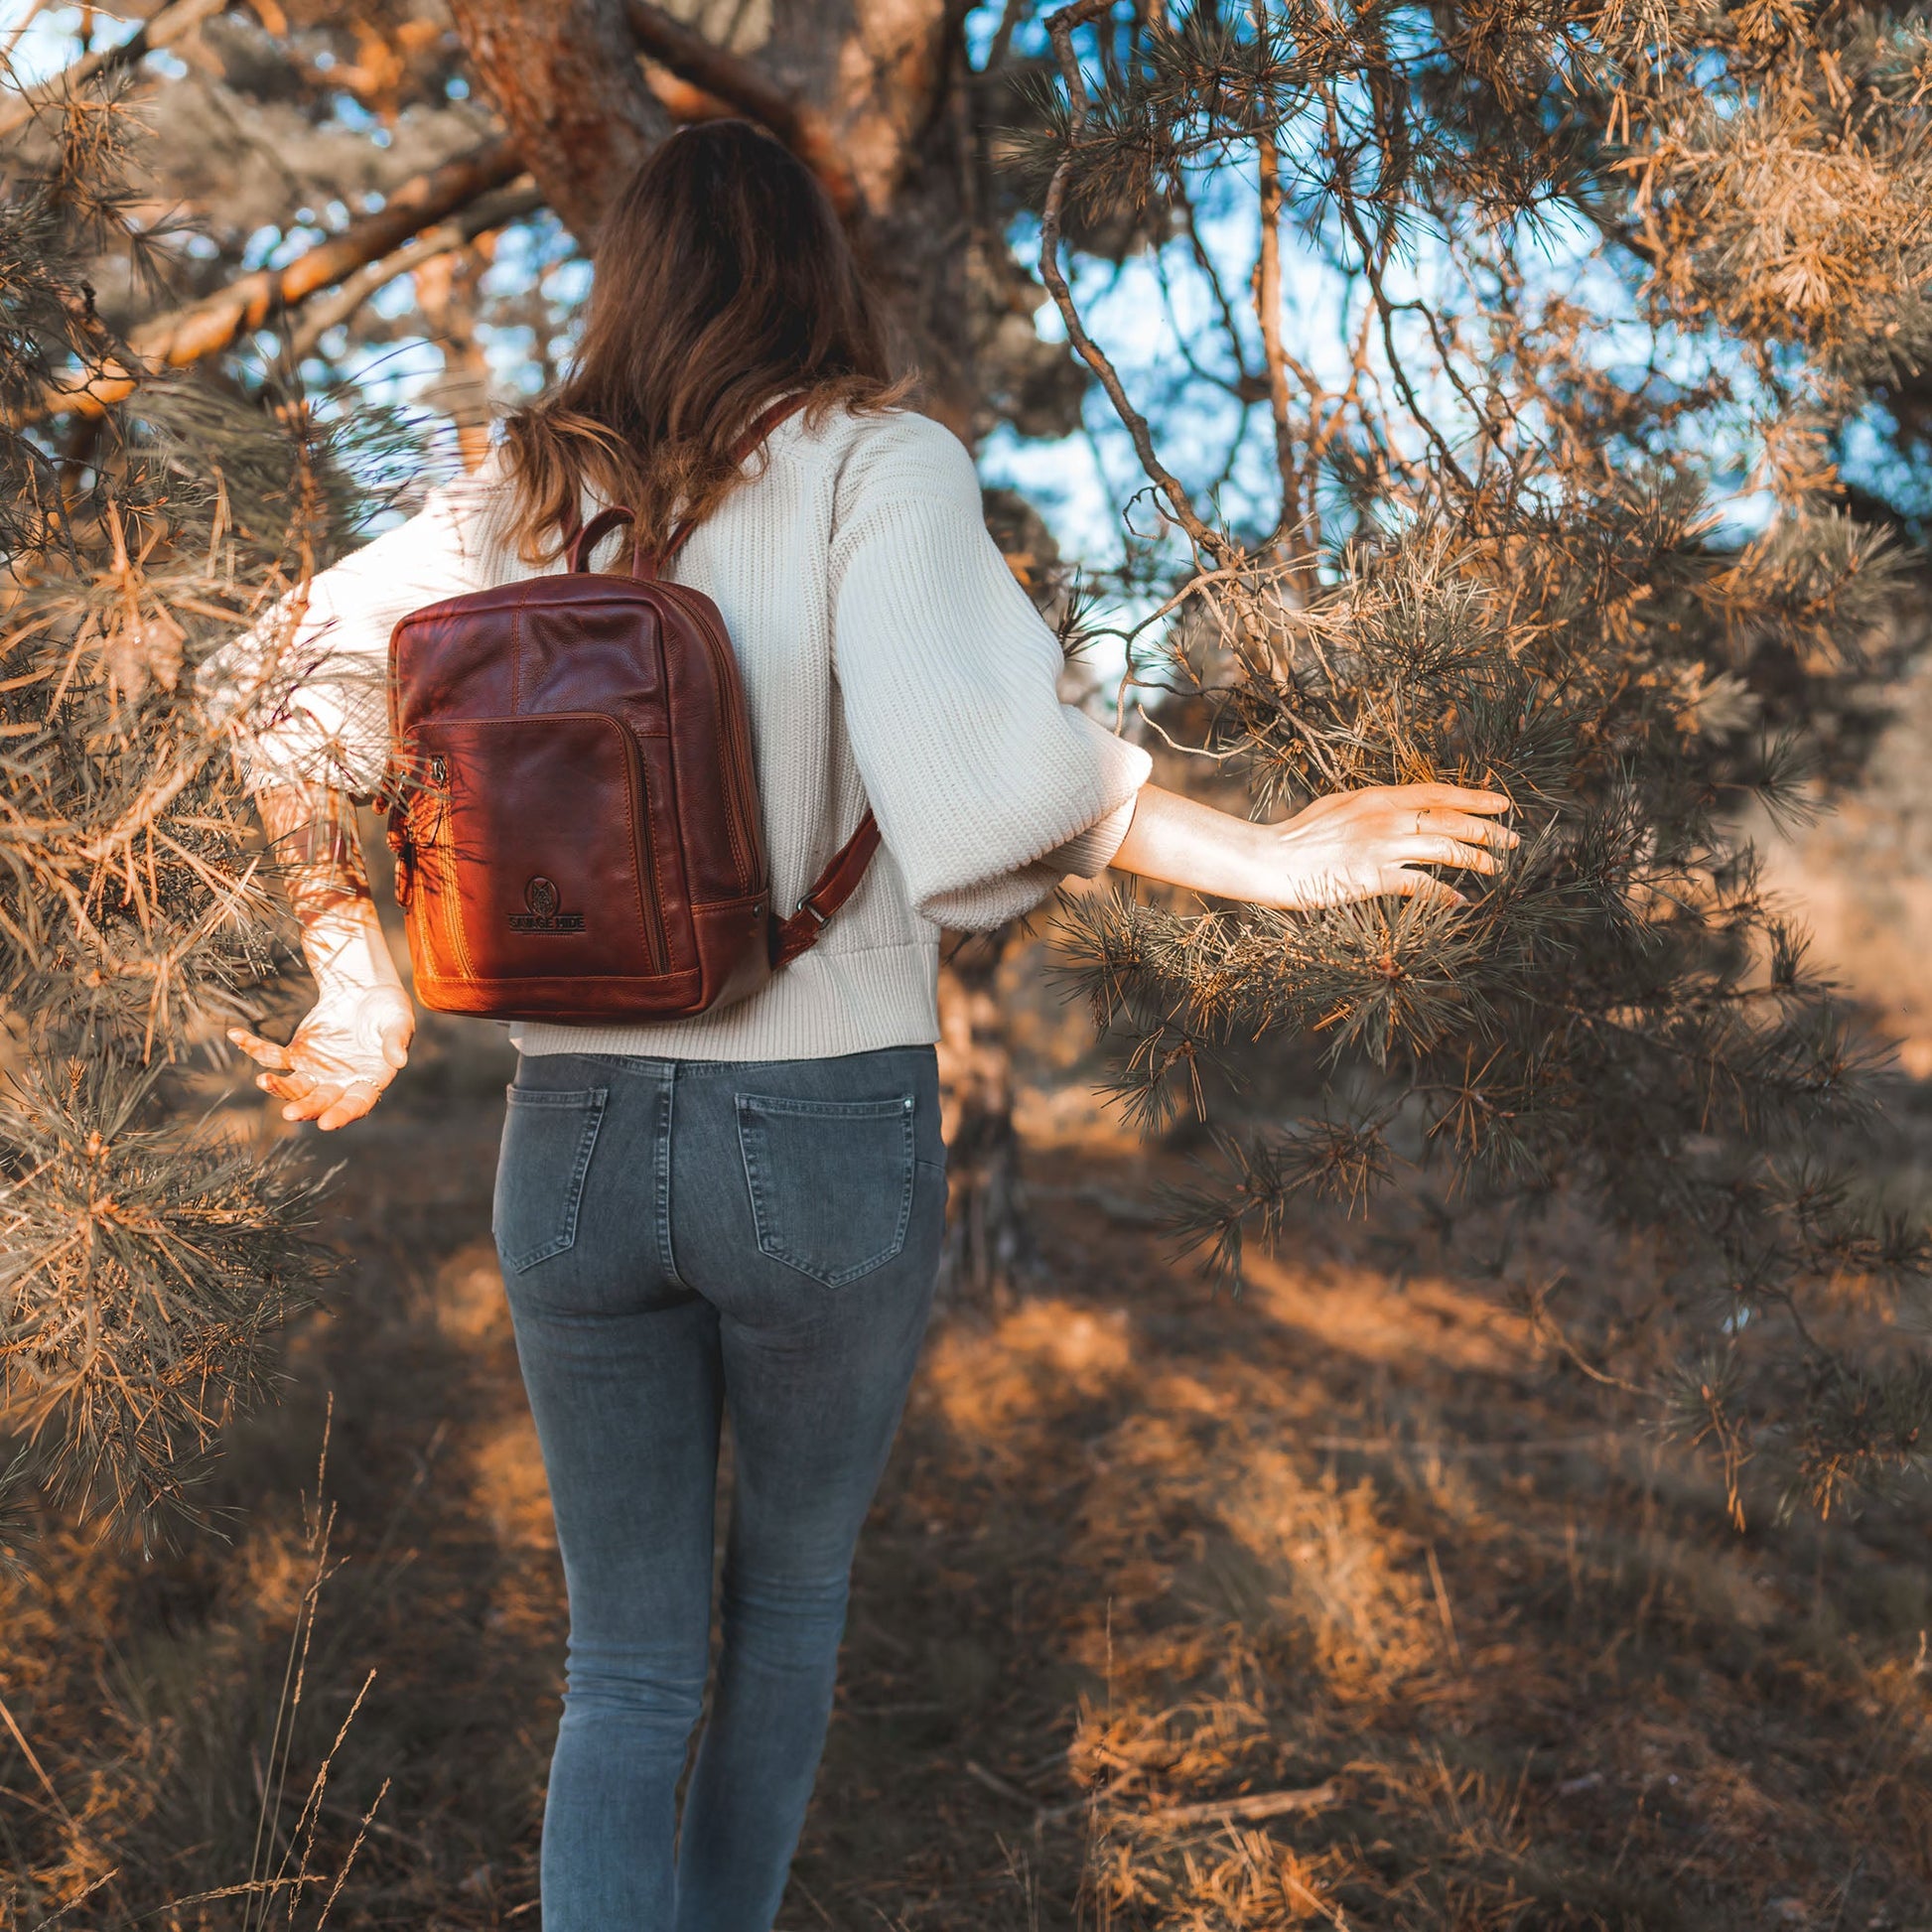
306, 688
977, 772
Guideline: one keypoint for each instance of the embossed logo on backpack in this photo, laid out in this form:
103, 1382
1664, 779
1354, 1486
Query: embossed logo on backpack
540, 894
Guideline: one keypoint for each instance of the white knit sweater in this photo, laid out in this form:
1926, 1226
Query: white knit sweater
888, 657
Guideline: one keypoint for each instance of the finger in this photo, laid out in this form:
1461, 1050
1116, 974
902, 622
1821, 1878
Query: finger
396, 1037
1471, 831
265, 1052
1457, 797
1424, 886
356, 1101
285, 1086
315, 1102
1431, 851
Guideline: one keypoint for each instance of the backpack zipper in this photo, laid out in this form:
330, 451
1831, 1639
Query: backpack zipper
738, 808
640, 806
448, 896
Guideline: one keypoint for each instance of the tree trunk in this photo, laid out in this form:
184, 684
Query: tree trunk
885, 75
988, 1237
565, 78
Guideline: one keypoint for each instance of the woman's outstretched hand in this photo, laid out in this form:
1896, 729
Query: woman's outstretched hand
353, 1041
1368, 843
1349, 845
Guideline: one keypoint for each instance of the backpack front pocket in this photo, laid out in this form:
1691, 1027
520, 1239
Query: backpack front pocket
830, 1180
538, 859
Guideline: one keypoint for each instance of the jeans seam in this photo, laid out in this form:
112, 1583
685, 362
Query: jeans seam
667, 1105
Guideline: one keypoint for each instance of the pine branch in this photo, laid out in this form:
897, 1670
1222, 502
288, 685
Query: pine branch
744, 90
162, 30
327, 311
206, 327
420, 220
1053, 215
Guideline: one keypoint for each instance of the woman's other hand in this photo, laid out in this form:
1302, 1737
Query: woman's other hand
1349, 845
355, 1038
353, 1041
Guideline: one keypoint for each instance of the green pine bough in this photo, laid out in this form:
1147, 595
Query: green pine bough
1586, 548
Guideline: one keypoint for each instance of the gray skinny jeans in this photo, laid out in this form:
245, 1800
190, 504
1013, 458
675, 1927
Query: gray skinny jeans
681, 1239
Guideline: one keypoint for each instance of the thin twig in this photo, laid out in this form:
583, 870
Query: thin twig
1443, 1609
34, 1763
32, 11
1061, 26
1267, 306
1241, 1811
169, 25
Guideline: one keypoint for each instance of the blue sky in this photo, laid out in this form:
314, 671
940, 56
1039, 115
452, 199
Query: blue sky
1139, 311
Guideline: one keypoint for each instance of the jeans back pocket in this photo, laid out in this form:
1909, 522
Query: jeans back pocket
831, 1180
548, 1140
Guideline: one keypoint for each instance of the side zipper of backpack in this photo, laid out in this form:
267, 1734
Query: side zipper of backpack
738, 808
440, 852
647, 842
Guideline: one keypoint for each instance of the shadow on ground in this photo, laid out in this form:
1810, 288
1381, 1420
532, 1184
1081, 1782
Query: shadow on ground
1327, 1605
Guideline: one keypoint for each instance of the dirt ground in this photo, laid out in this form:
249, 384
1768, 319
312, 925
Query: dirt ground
1326, 1605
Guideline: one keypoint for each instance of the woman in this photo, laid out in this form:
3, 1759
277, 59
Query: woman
742, 1210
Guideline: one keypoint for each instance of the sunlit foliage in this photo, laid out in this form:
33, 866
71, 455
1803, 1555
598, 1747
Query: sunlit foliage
145, 1258
1506, 551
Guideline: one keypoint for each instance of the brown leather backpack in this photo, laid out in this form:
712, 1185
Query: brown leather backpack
573, 802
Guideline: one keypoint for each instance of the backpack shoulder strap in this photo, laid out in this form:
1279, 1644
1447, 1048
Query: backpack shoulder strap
754, 437
580, 542
830, 890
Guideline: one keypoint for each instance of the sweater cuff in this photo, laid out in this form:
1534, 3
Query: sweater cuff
1090, 853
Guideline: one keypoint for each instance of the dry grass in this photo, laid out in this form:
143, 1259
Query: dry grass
1145, 1552
1347, 1533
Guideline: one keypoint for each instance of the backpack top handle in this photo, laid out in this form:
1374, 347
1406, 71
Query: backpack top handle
594, 532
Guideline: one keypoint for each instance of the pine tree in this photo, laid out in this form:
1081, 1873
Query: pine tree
1494, 543
1496, 551
178, 392
146, 1259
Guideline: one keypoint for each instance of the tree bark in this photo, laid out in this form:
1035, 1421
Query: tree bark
565, 78
738, 86
988, 1240
885, 75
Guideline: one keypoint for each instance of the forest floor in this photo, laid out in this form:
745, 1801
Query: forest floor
1330, 1605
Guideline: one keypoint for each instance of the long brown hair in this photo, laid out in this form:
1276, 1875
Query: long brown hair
723, 282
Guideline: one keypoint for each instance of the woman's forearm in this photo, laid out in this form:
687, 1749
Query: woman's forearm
355, 1038
313, 842
1182, 842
